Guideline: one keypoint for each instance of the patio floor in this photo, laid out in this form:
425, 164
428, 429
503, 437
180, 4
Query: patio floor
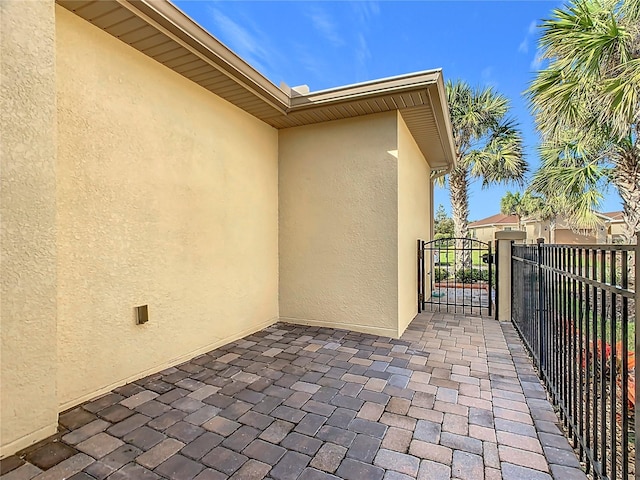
455, 397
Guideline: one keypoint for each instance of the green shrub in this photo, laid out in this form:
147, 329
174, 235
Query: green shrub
468, 275
440, 274
484, 276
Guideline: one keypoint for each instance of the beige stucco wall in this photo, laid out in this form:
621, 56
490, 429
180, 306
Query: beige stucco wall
617, 228
484, 234
167, 196
538, 229
532, 232
125, 184
338, 224
616, 231
487, 233
566, 236
414, 220
28, 405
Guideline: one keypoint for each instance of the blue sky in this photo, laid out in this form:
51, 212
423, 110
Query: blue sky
328, 44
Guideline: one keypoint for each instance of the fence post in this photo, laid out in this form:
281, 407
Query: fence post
636, 280
541, 346
489, 263
504, 239
496, 304
420, 274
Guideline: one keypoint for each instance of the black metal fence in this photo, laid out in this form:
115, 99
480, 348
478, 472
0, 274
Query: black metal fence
575, 308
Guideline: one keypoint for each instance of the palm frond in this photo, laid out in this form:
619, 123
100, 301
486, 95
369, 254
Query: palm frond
629, 10
572, 177
440, 181
593, 77
488, 144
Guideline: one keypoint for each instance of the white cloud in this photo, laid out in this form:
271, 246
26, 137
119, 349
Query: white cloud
323, 23
246, 44
536, 63
524, 46
312, 63
365, 11
530, 38
363, 54
531, 30
487, 77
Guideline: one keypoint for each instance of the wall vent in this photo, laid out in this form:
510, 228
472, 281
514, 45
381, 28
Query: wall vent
142, 314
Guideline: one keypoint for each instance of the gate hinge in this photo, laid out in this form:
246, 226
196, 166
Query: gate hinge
420, 298
420, 254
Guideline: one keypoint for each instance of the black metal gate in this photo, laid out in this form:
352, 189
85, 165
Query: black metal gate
456, 275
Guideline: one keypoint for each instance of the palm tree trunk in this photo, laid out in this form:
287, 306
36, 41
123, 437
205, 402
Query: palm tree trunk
627, 180
459, 193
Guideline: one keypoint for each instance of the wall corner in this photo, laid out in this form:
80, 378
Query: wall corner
28, 238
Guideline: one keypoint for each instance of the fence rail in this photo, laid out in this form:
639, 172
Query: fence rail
575, 309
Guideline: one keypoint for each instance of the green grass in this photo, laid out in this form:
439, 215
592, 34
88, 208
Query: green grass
449, 257
631, 332
606, 335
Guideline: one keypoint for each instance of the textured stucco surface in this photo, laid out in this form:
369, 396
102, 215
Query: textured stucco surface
125, 184
414, 220
28, 410
485, 234
338, 224
167, 196
566, 235
538, 229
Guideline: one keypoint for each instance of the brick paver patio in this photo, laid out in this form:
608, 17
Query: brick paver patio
455, 397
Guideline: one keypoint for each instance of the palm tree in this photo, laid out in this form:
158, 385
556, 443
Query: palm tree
587, 104
488, 146
531, 205
514, 204
572, 178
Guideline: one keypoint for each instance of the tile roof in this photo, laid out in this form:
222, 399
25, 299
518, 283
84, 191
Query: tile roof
618, 215
499, 218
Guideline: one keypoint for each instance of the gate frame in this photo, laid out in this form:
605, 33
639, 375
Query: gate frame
422, 272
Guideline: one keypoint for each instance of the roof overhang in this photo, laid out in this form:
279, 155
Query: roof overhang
419, 97
163, 32
491, 225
